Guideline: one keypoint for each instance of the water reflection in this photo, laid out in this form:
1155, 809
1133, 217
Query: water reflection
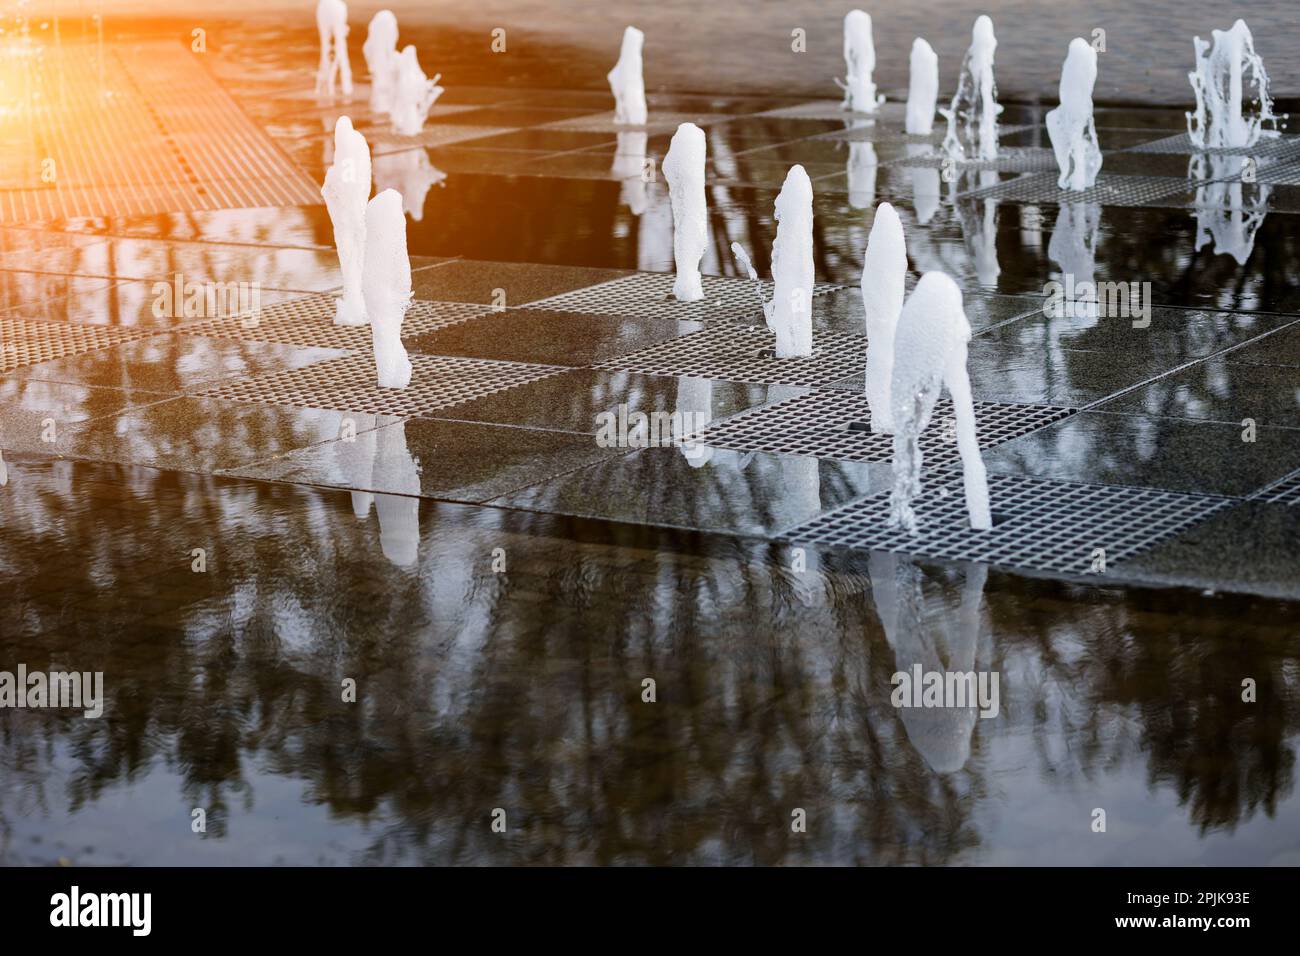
1073, 247
1230, 205
410, 173
472, 697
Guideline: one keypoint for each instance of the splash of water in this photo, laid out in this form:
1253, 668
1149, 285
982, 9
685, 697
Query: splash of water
415, 94
387, 287
789, 314
626, 81
346, 189
332, 25
922, 89
973, 114
1223, 72
1070, 126
859, 63
930, 353
684, 169
884, 272
380, 52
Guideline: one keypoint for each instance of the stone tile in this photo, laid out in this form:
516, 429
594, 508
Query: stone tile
454, 461
468, 280
1174, 454
1280, 348
571, 401
29, 409
547, 337
200, 435
1221, 391
174, 363
1253, 547
705, 489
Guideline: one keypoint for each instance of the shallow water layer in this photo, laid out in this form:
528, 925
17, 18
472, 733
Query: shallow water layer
522, 689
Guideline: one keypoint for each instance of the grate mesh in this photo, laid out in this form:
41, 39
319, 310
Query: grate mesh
818, 425
29, 342
310, 321
1112, 190
741, 353
1284, 492
1038, 524
649, 295
134, 129
348, 384
1286, 174
1278, 147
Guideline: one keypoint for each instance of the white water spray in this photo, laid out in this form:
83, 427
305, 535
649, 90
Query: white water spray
789, 314
1222, 74
929, 353
922, 88
684, 169
859, 63
884, 272
346, 189
626, 81
387, 287
332, 25
973, 115
1070, 126
414, 96
380, 52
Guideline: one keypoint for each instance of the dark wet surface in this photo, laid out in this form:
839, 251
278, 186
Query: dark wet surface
328, 559
522, 690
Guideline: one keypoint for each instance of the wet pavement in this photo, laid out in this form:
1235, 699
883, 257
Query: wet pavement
499, 582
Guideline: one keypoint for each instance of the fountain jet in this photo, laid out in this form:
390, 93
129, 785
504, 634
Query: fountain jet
1219, 81
332, 25
973, 115
929, 353
387, 287
626, 81
684, 169
1070, 126
859, 63
346, 189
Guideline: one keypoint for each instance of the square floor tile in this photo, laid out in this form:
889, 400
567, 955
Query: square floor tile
549, 338
349, 384
174, 363
454, 461
704, 488
198, 434
582, 400
1221, 391
467, 280
1151, 451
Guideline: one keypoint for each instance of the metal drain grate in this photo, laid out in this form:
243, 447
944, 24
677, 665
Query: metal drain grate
348, 384
1111, 190
836, 424
1009, 159
141, 128
310, 321
649, 295
1284, 492
1038, 524
1286, 174
1278, 147
29, 342
742, 353
431, 135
